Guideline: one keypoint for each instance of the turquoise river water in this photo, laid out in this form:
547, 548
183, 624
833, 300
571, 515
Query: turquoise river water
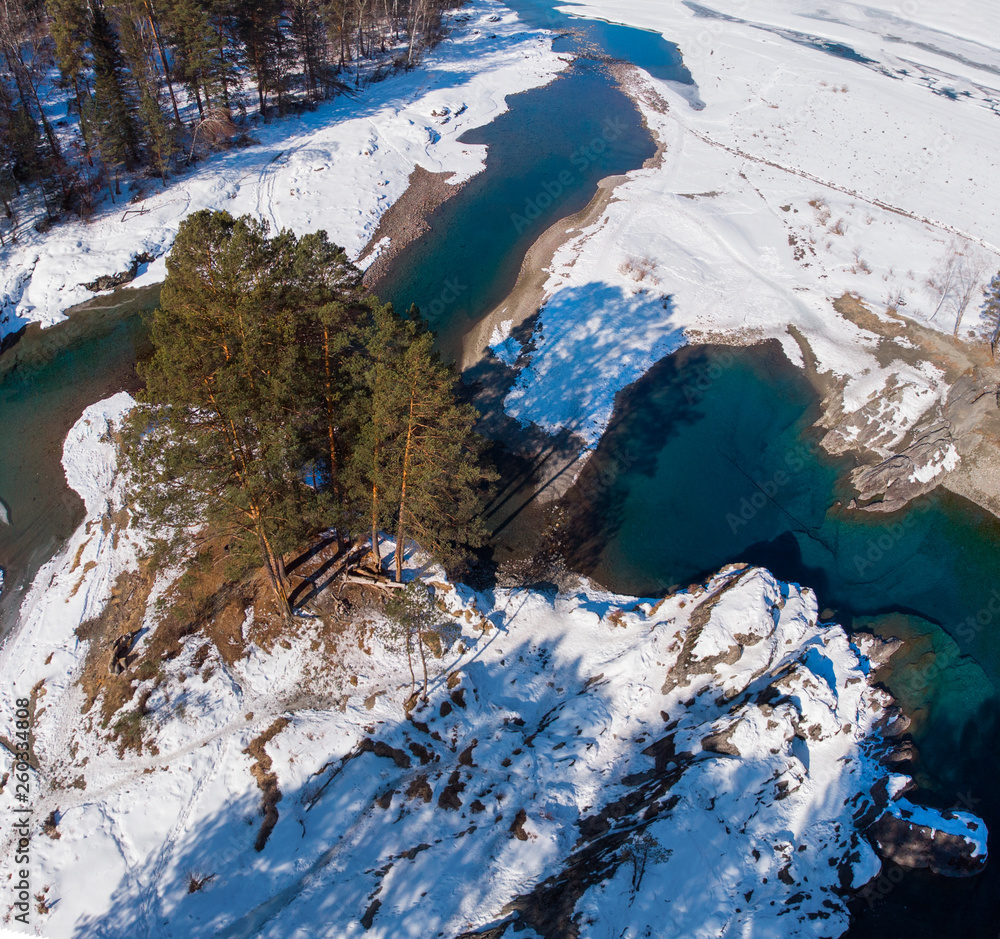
710, 457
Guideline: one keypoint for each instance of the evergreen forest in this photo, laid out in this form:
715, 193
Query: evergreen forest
94, 92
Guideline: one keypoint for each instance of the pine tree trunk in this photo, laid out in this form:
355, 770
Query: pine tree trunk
331, 434
375, 539
163, 59
423, 661
401, 526
409, 661
276, 572
222, 69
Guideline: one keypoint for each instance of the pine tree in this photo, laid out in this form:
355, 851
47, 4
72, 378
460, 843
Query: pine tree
197, 61
991, 310
413, 612
257, 24
153, 18
138, 44
20, 140
15, 32
230, 442
376, 484
253, 382
112, 111
70, 29
423, 458
323, 289
309, 32
441, 475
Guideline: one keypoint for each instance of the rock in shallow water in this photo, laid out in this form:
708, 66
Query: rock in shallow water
949, 843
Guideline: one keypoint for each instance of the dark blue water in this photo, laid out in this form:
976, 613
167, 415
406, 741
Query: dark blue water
711, 459
545, 158
645, 48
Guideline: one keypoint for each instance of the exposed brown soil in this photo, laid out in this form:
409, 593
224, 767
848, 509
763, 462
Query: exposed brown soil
106, 634
953, 355
419, 788
977, 433
266, 780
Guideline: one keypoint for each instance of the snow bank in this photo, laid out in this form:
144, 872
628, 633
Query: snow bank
810, 171
698, 765
337, 168
89, 453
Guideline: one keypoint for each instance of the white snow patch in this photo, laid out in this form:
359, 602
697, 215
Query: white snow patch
504, 346
945, 462
804, 176
546, 715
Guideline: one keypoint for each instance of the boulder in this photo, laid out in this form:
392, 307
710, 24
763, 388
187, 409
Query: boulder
946, 842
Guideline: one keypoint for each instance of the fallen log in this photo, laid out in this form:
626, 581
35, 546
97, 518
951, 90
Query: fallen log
381, 584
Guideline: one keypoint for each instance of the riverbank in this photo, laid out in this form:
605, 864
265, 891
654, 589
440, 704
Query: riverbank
339, 167
404, 221
731, 241
529, 292
47, 378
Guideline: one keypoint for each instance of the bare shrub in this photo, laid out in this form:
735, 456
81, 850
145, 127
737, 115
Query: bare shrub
196, 883
957, 278
860, 266
215, 130
640, 269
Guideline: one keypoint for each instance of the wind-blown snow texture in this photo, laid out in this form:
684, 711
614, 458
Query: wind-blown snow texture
694, 766
805, 171
337, 168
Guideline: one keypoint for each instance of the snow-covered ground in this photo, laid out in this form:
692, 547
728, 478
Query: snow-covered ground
807, 174
697, 766
337, 168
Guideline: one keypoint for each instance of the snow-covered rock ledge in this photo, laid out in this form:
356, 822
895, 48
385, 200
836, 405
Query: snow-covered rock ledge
705, 764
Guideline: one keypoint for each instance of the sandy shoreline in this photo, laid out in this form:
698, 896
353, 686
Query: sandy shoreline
528, 293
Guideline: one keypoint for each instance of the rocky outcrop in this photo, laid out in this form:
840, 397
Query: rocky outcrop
598, 754
949, 843
936, 446
110, 281
914, 471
